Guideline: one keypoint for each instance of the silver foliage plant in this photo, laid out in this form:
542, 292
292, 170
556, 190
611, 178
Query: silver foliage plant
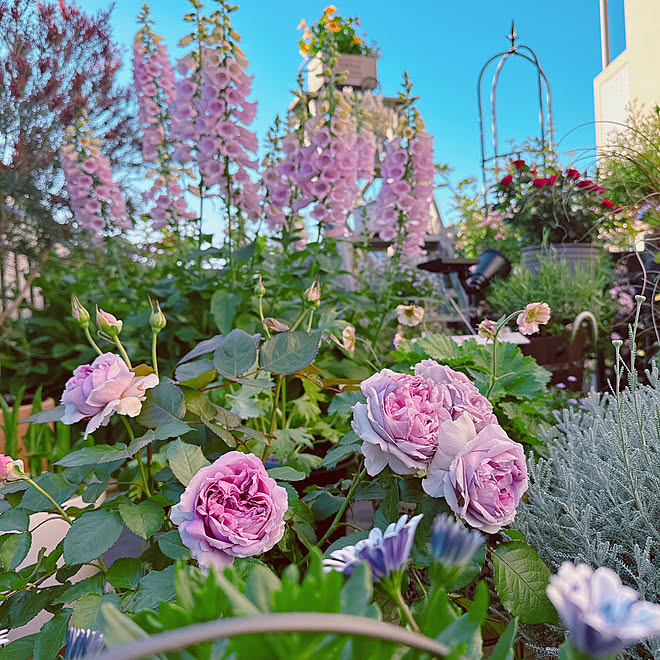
596, 497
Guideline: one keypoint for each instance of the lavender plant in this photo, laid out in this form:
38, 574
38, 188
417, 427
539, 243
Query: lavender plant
594, 499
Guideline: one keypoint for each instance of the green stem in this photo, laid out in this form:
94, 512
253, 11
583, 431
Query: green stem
154, 356
122, 352
337, 521
404, 610
300, 318
273, 417
58, 508
261, 315
138, 456
284, 403
93, 344
309, 323
493, 355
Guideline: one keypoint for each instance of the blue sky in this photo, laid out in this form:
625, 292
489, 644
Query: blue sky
442, 44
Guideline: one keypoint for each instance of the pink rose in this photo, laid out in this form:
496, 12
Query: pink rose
483, 484
100, 389
229, 509
463, 396
400, 422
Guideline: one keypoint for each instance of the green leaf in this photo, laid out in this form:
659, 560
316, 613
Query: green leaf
51, 415
87, 611
171, 545
93, 584
117, 627
94, 533
236, 355
223, 308
196, 374
94, 455
52, 636
504, 648
185, 460
343, 403
155, 587
125, 573
164, 403
347, 445
19, 649
14, 550
466, 627
286, 473
261, 582
144, 519
206, 346
521, 578
288, 352
59, 488
388, 512
358, 590
14, 520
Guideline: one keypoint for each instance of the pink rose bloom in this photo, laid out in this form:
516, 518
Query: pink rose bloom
100, 389
400, 422
462, 395
229, 509
483, 484
6, 466
534, 314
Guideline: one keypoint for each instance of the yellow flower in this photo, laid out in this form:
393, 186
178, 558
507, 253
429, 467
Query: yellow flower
301, 25
330, 9
303, 48
307, 34
333, 26
356, 39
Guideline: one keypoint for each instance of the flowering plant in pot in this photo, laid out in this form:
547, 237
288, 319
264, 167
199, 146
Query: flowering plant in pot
569, 292
333, 28
562, 206
333, 44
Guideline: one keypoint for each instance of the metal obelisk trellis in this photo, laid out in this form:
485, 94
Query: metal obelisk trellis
545, 128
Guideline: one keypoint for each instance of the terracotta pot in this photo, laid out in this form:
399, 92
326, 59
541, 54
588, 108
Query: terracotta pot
361, 69
24, 411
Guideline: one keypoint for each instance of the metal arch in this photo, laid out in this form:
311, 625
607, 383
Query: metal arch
545, 134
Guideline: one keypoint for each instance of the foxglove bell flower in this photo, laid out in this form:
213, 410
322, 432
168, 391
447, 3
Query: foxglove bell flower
386, 552
602, 615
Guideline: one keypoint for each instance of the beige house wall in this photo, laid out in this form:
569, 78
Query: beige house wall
634, 76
